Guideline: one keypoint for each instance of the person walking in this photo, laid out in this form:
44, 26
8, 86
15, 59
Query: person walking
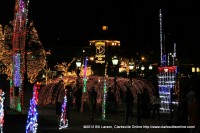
145, 104
193, 109
111, 102
78, 96
69, 100
156, 106
128, 98
58, 109
92, 103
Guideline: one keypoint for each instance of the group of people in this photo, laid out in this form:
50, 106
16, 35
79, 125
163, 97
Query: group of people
70, 94
111, 102
186, 111
127, 99
76, 94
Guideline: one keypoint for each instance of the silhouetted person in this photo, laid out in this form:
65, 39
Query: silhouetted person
128, 98
58, 109
69, 101
92, 103
78, 96
193, 109
58, 103
181, 115
156, 106
111, 101
145, 104
121, 93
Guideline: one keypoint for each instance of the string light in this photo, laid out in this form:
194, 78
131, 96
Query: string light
32, 124
46, 92
104, 101
63, 118
166, 82
1, 110
85, 78
17, 81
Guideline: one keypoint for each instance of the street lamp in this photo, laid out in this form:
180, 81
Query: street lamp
142, 70
78, 65
131, 67
115, 63
150, 67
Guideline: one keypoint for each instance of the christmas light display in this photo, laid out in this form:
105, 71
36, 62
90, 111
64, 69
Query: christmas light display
167, 73
84, 82
35, 62
18, 48
32, 124
47, 93
166, 84
63, 117
35, 54
11, 94
104, 101
1, 110
17, 81
161, 40
84, 76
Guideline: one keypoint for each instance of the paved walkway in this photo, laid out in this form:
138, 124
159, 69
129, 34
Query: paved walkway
79, 123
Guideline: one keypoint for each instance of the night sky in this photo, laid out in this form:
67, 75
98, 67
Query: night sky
135, 23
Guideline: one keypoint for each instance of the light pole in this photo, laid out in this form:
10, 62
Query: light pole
131, 67
78, 65
47, 54
142, 70
150, 67
115, 63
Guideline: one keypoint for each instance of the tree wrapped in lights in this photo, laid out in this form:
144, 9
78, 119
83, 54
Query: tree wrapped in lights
64, 67
6, 51
36, 55
1, 110
35, 58
32, 124
63, 117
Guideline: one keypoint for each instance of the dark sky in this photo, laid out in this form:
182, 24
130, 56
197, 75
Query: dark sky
63, 23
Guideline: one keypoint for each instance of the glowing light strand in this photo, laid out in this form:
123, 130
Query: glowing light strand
104, 100
161, 40
166, 82
17, 81
84, 76
18, 46
63, 117
16, 70
1, 110
32, 124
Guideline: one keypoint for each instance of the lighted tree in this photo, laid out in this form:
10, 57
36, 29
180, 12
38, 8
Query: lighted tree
6, 51
36, 55
64, 68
